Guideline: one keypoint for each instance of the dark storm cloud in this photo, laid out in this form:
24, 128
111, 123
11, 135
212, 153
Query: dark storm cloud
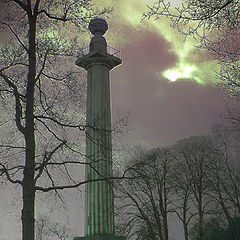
162, 111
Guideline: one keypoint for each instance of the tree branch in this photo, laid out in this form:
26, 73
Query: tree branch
63, 18
43, 65
80, 127
5, 170
13, 32
39, 188
165, 12
18, 106
22, 5
47, 158
35, 10
10, 146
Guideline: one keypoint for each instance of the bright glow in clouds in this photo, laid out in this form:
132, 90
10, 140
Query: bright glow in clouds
132, 12
181, 72
189, 64
183, 49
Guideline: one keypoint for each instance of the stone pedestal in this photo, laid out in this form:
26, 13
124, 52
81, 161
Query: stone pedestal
101, 237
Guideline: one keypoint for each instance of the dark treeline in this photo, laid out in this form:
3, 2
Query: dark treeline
196, 181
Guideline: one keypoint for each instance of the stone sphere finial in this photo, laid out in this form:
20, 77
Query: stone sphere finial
98, 26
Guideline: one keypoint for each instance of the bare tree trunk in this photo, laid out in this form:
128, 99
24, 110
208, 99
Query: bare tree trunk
200, 221
28, 196
185, 224
165, 226
185, 228
28, 179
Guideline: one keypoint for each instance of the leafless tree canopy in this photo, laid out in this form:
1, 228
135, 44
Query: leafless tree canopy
195, 180
216, 26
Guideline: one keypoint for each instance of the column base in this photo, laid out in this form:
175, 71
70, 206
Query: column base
101, 237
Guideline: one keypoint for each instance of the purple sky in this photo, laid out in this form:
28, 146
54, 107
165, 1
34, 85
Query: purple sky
162, 111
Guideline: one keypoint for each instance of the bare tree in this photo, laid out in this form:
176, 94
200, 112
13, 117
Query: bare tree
145, 199
195, 179
41, 97
215, 25
196, 154
225, 176
183, 201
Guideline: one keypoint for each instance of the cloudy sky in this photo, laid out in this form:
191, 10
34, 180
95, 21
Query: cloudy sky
166, 83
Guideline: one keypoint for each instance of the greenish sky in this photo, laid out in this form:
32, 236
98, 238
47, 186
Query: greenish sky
190, 63
166, 83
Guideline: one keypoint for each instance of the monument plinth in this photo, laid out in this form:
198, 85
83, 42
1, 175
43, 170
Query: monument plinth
99, 201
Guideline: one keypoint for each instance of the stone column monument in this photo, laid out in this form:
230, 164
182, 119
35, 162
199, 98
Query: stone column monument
98, 60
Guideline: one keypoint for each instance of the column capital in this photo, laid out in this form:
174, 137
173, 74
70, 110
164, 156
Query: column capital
98, 57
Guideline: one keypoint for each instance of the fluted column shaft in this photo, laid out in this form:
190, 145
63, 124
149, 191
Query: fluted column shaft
99, 196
